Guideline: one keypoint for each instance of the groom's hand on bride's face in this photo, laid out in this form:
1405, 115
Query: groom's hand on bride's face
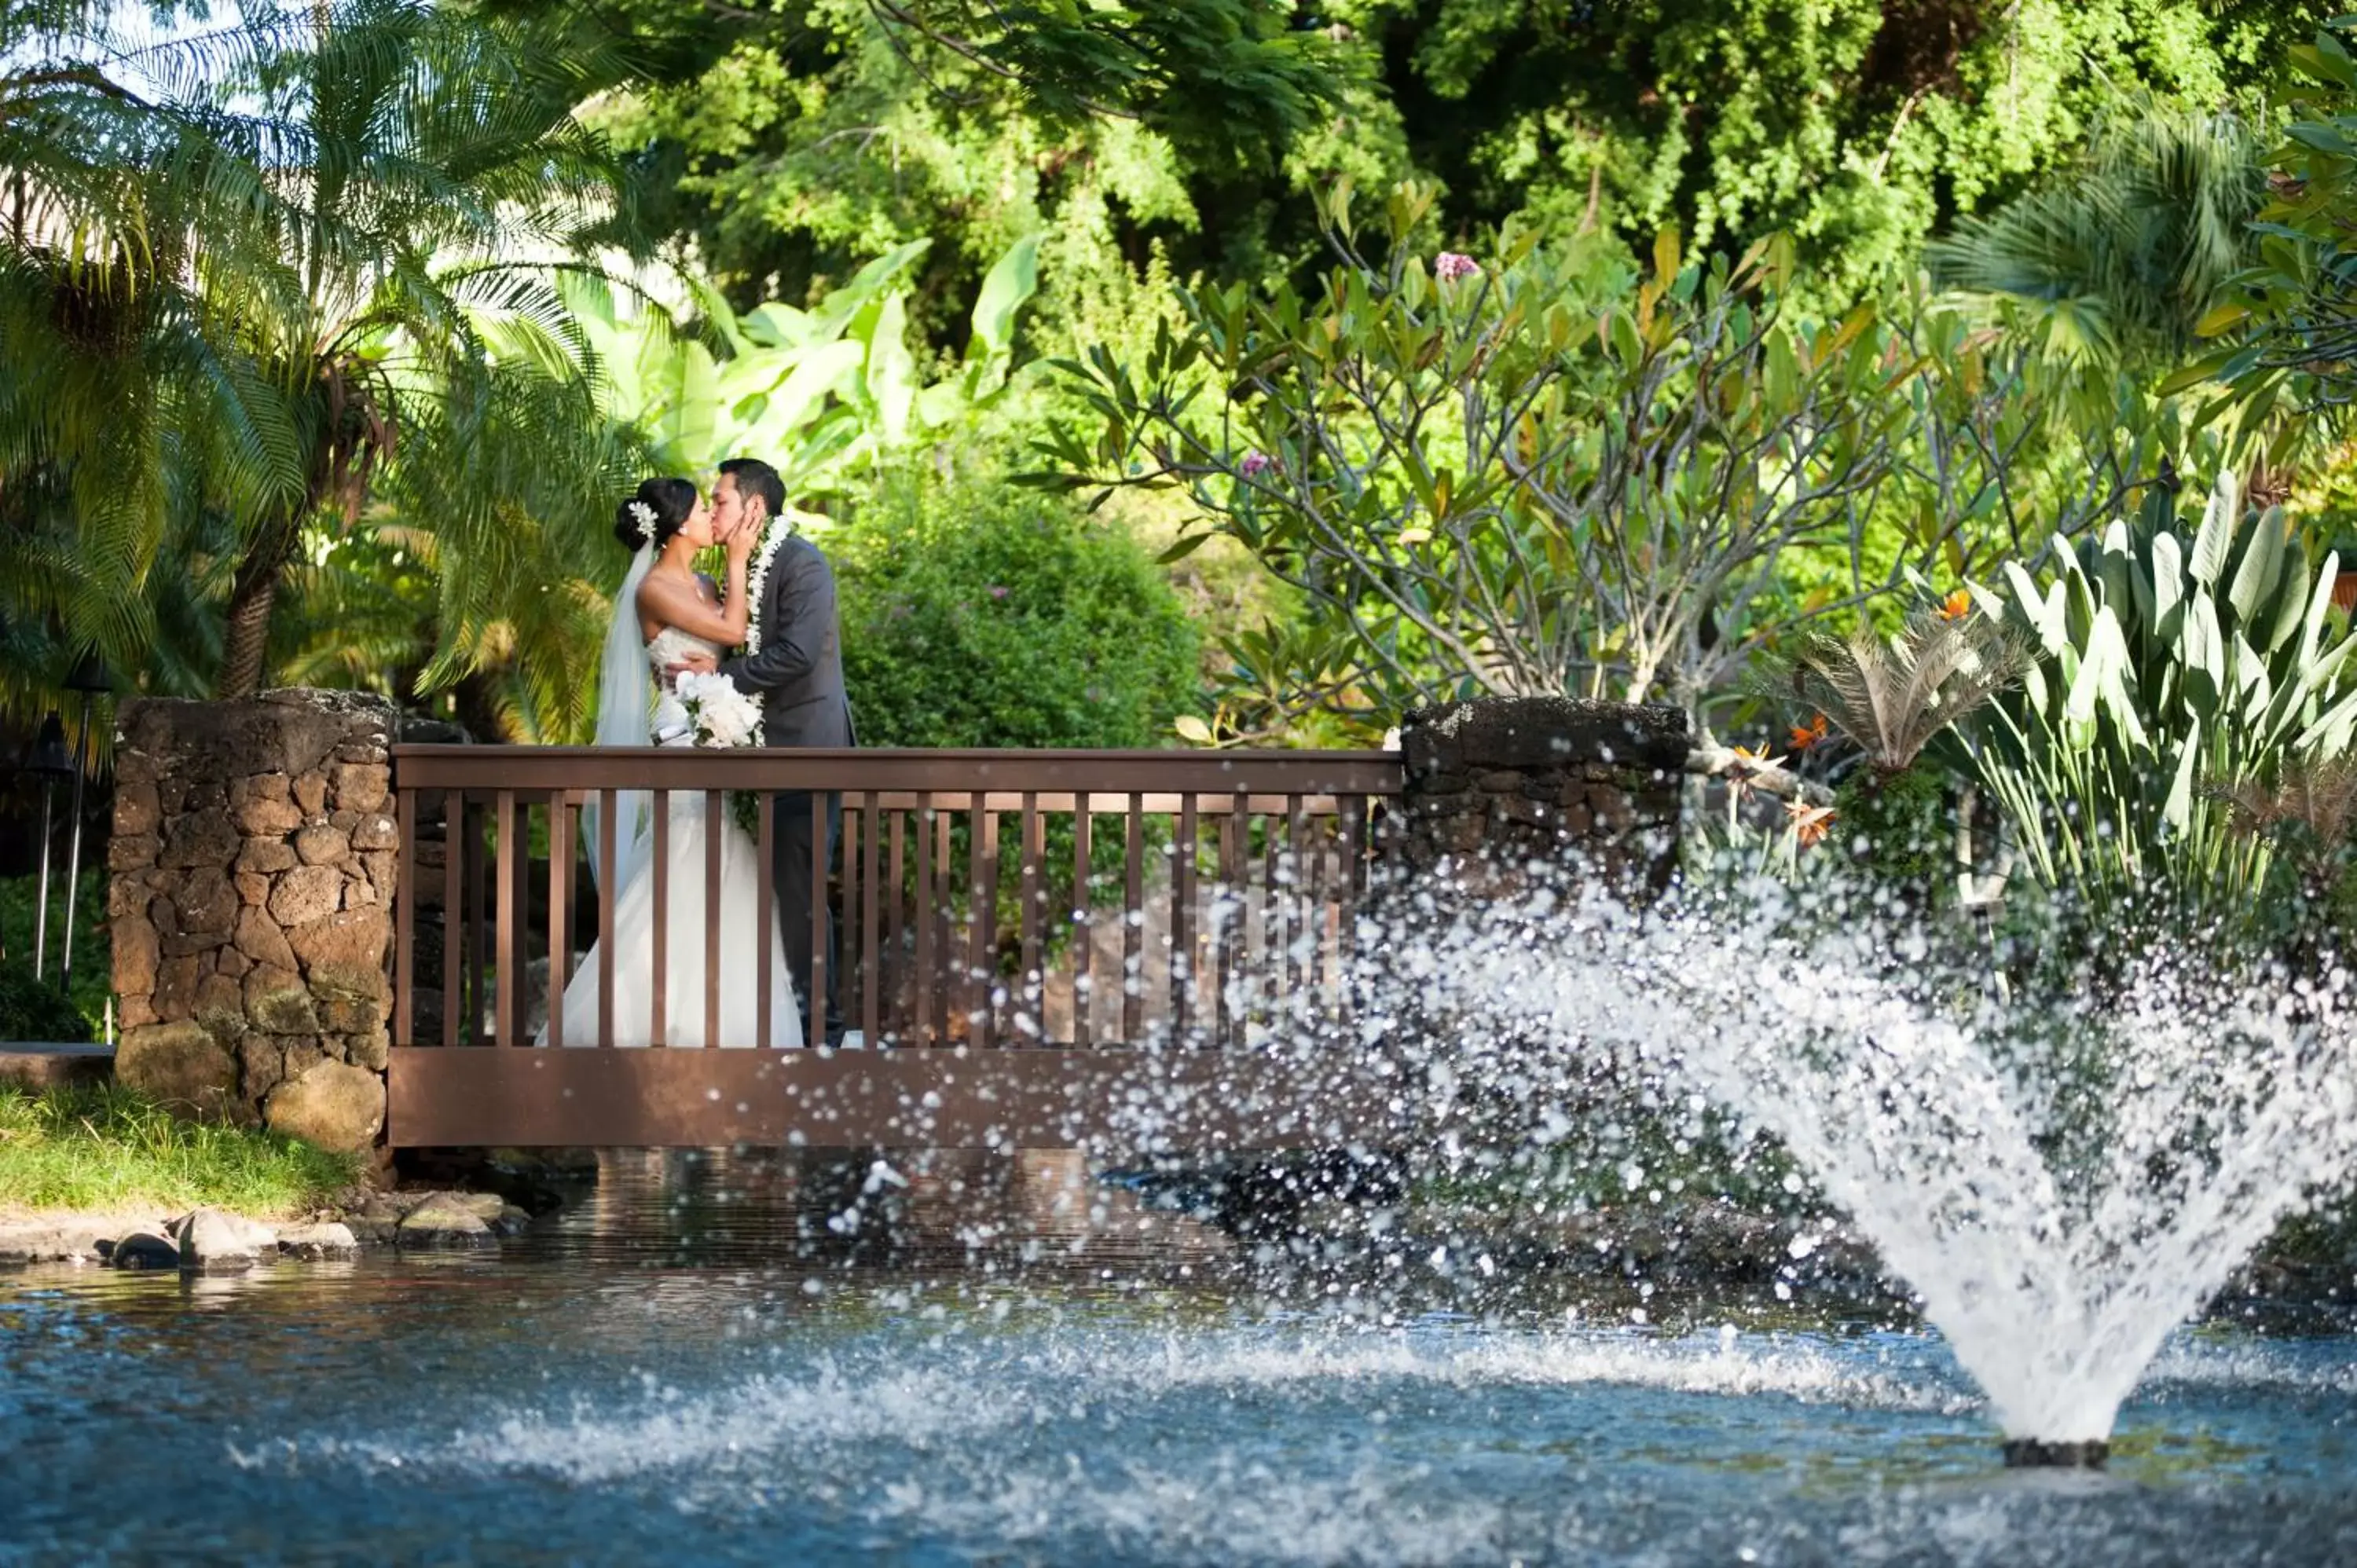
692, 664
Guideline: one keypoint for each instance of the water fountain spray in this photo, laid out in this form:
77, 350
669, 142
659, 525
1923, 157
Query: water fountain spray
2061, 1180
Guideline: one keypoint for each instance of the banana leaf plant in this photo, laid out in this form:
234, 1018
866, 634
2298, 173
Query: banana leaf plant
2171, 662
821, 393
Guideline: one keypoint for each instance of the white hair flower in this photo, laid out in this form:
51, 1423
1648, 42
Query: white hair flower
644, 516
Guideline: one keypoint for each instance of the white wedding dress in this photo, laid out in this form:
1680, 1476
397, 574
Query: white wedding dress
685, 963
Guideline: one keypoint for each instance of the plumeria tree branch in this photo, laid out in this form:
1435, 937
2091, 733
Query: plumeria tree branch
1541, 470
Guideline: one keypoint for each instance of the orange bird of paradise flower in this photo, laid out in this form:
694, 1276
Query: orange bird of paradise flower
1956, 606
1810, 823
1808, 734
1744, 764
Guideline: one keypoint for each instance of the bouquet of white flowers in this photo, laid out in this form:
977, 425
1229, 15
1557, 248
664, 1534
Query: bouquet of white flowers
723, 718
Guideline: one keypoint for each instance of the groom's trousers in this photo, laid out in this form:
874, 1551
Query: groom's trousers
793, 871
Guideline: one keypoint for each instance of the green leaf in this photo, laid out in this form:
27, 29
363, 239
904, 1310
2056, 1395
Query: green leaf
2168, 561
2177, 810
690, 420
2216, 535
891, 372
2220, 319
1012, 280
2257, 577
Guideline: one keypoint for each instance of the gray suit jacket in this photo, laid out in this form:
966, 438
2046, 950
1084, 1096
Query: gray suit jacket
799, 671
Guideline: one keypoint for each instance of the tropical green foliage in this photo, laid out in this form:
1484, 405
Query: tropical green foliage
315, 271
2121, 258
823, 394
1543, 473
2174, 660
1891, 696
791, 137
975, 617
2291, 322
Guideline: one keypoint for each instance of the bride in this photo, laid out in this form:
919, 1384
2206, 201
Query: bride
664, 611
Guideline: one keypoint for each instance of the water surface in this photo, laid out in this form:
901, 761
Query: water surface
665, 1380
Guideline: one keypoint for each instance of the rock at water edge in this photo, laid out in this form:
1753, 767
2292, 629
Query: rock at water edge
144, 1250
441, 1221
316, 1241
45, 1243
209, 1239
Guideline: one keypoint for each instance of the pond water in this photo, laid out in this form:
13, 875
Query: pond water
662, 1379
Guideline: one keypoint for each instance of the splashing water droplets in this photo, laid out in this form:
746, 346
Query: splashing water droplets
2062, 1180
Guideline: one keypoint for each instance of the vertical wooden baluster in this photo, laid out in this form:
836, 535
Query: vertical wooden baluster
1233, 830
849, 953
1182, 920
1033, 981
560, 851
1354, 886
818, 919
454, 911
1297, 849
871, 954
1353, 846
715, 819
1321, 914
608, 805
1272, 920
765, 918
898, 999
939, 911
1133, 926
659, 847
1083, 927
982, 957
522, 879
478, 918
920, 1020
405, 921
507, 944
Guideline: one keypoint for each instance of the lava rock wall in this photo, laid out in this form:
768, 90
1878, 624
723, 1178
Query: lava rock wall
1496, 785
254, 862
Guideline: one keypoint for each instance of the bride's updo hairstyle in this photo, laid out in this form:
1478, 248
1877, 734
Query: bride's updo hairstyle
653, 513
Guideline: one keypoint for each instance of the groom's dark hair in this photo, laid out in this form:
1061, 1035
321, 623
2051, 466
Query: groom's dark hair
755, 477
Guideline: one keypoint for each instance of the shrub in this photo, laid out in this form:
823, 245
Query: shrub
979, 616
33, 1010
30, 1009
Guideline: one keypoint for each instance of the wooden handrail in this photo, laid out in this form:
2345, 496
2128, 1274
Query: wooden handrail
554, 768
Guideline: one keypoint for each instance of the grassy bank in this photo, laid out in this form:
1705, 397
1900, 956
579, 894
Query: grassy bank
106, 1148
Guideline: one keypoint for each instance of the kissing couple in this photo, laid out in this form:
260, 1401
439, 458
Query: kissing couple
771, 630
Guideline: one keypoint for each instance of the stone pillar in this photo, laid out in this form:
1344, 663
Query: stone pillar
1495, 784
253, 861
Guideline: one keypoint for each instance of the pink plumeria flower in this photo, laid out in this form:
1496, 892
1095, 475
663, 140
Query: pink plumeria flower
1449, 266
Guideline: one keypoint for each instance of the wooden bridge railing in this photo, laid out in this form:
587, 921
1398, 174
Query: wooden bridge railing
1041, 905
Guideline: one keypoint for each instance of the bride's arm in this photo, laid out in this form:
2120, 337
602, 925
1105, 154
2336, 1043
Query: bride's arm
670, 601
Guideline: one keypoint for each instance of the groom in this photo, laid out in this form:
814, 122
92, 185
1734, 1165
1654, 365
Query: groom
793, 658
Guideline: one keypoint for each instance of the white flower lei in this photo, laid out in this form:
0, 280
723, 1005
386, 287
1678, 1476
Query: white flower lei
778, 531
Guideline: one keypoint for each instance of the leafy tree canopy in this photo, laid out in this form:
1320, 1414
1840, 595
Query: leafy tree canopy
795, 137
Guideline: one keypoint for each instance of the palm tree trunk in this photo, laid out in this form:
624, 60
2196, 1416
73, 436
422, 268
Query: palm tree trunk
245, 636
